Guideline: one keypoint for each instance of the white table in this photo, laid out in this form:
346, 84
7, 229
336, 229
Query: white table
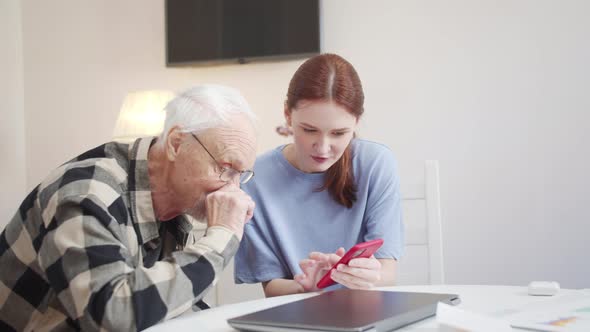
490, 300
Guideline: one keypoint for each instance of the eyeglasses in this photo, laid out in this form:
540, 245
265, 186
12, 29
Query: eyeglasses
228, 174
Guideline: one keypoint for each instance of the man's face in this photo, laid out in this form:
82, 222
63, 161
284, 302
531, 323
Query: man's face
196, 173
321, 133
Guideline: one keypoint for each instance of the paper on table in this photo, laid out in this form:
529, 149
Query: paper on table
454, 319
569, 313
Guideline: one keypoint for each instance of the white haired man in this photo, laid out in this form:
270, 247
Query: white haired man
101, 244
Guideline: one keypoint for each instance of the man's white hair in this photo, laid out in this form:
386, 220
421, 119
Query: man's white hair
204, 107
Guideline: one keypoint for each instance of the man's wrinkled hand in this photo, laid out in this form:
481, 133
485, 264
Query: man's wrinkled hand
229, 207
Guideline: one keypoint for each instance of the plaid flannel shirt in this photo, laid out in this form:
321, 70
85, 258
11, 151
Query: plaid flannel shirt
85, 251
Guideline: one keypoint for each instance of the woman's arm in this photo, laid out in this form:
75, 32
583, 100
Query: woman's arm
277, 287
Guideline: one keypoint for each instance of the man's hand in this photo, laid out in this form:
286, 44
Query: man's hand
229, 207
315, 267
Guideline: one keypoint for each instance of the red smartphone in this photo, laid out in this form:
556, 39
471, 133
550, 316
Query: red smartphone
364, 250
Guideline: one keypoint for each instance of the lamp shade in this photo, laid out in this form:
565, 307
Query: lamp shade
142, 114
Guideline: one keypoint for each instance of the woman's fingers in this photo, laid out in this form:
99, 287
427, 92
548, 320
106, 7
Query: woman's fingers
371, 276
350, 281
359, 273
330, 259
366, 263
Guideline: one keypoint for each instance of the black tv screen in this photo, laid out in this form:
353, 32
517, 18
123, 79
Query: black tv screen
205, 31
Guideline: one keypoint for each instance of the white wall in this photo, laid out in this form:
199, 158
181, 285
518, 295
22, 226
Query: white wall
495, 90
12, 130
81, 58
498, 92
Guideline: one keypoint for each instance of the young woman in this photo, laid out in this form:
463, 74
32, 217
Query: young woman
324, 192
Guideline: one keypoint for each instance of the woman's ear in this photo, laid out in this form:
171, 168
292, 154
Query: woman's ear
173, 142
287, 113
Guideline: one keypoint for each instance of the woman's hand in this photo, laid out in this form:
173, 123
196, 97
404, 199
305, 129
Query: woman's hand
360, 273
315, 267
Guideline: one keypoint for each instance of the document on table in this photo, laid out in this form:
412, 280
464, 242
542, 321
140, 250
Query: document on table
451, 318
569, 313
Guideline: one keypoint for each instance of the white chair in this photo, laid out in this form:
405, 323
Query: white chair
422, 262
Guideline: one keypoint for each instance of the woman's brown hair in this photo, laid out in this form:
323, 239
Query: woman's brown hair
328, 77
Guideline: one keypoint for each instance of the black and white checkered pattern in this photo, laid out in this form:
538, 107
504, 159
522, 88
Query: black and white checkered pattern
85, 251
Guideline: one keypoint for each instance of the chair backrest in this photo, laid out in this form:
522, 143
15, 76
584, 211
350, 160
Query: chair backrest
422, 262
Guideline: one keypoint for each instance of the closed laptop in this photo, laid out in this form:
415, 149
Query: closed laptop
346, 310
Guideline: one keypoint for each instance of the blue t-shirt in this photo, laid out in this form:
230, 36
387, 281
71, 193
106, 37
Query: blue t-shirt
292, 218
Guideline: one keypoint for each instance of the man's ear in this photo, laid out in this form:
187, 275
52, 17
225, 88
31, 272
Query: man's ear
173, 141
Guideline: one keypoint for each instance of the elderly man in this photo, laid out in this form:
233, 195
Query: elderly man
101, 244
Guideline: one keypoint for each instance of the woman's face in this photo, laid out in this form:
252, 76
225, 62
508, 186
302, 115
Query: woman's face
321, 130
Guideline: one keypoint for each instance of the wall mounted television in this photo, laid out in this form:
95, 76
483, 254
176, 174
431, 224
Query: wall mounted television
217, 31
